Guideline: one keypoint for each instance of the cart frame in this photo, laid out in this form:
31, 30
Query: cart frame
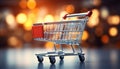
62, 32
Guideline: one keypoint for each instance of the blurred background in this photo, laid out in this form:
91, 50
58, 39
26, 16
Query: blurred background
18, 16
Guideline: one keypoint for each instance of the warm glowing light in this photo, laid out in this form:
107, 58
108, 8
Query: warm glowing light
21, 18
62, 14
113, 20
94, 19
96, 2
85, 35
48, 18
70, 8
105, 39
31, 4
23, 4
28, 25
41, 13
104, 12
32, 16
48, 45
30, 20
40, 20
113, 31
13, 41
10, 19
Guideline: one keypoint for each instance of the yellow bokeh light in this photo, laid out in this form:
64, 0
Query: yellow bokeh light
48, 18
28, 25
70, 8
94, 19
85, 35
105, 39
104, 12
113, 31
31, 4
113, 20
21, 18
10, 19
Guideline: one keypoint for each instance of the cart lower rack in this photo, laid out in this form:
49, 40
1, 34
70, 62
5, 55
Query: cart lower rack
62, 32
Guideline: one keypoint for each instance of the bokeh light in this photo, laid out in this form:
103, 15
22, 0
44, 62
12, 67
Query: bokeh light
113, 31
104, 12
41, 13
14, 41
49, 45
105, 39
96, 2
21, 18
113, 20
28, 25
31, 4
10, 19
94, 19
85, 35
49, 18
70, 8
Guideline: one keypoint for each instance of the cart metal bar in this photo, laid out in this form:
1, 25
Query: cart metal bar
61, 22
86, 14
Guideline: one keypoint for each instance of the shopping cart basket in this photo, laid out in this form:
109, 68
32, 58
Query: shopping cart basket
63, 32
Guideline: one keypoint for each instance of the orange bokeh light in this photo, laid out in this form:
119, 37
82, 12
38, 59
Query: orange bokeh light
31, 4
85, 35
14, 41
113, 31
70, 8
105, 39
113, 20
49, 45
96, 2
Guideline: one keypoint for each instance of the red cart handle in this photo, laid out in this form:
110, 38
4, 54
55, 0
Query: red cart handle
89, 13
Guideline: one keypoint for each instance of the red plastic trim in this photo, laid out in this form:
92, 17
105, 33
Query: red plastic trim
89, 13
65, 16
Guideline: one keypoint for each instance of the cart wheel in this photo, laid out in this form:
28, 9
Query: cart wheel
52, 59
40, 59
61, 57
81, 57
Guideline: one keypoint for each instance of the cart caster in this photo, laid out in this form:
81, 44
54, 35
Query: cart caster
61, 57
81, 57
40, 59
52, 59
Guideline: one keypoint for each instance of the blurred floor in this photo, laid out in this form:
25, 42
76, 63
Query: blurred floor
25, 59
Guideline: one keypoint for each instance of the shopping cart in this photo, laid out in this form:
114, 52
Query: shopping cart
63, 32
